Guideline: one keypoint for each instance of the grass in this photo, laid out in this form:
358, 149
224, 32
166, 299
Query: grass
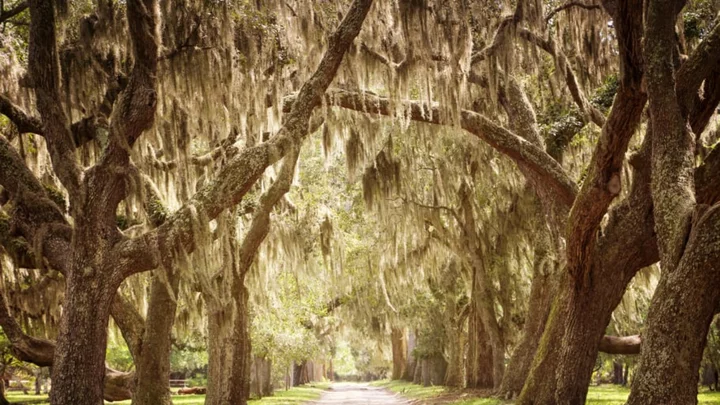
614, 395
410, 390
293, 396
602, 395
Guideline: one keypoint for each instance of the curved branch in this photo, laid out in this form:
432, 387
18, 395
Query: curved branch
563, 64
620, 344
548, 172
17, 9
569, 5
242, 171
23, 121
603, 182
44, 69
698, 68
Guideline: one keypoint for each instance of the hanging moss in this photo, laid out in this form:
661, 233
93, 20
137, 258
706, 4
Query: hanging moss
57, 196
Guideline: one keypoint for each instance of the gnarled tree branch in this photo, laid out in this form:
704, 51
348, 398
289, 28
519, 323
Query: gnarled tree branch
241, 172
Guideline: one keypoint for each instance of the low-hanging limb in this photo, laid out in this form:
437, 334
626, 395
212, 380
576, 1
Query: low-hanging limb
548, 171
242, 171
18, 8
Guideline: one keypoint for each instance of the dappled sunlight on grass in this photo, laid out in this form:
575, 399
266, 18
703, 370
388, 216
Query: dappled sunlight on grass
479, 401
614, 395
20, 398
297, 395
602, 395
410, 390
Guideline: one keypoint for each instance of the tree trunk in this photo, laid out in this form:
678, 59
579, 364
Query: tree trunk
417, 377
426, 377
38, 380
3, 400
218, 336
680, 314
618, 373
455, 349
399, 350
438, 369
266, 388
626, 375
411, 361
540, 385
239, 370
479, 364
542, 291
153, 366
79, 362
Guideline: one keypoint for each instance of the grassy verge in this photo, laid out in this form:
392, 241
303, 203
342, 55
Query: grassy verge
602, 395
410, 390
614, 395
293, 396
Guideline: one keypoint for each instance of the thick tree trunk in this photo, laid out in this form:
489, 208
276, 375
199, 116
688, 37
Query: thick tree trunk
541, 383
261, 381
680, 314
79, 362
542, 292
409, 372
153, 365
399, 351
437, 368
417, 376
479, 364
455, 349
218, 335
580, 313
239, 371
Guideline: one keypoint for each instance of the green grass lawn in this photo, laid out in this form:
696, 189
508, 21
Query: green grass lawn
293, 396
602, 395
410, 390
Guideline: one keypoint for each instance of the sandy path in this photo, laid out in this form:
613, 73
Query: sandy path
359, 394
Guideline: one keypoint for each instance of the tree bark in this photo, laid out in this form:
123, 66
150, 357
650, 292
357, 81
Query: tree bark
688, 294
542, 291
479, 364
239, 371
152, 367
455, 350
399, 350
680, 315
218, 335
409, 371
79, 362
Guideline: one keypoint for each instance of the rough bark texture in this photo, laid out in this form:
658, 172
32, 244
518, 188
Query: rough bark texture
479, 363
682, 309
242, 171
153, 364
399, 351
238, 375
218, 336
542, 291
93, 255
688, 294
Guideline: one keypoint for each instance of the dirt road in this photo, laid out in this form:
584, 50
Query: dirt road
359, 394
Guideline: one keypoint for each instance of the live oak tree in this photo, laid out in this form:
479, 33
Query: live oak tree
94, 256
555, 212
